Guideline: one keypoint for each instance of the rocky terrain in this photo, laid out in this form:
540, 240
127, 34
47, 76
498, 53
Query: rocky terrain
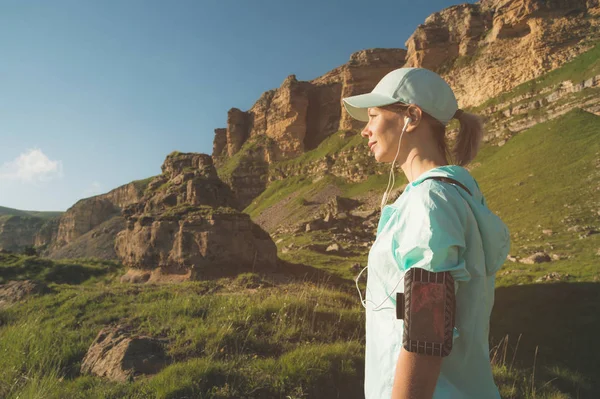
186, 225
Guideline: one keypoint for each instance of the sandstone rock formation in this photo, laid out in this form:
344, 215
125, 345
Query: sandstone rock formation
487, 48
118, 355
220, 142
18, 232
288, 121
187, 225
56, 235
300, 112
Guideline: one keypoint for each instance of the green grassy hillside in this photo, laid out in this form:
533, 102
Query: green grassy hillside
228, 338
4, 211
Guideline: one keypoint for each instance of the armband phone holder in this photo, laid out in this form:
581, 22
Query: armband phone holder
427, 307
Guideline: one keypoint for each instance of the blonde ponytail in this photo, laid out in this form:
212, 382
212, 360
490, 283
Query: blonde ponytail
469, 137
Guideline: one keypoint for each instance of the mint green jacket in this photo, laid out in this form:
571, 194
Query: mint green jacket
438, 227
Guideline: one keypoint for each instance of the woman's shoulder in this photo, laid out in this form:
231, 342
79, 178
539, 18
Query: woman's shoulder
431, 191
432, 199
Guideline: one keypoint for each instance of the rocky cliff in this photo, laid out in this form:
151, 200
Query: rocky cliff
186, 227
84, 216
299, 115
487, 48
481, 49
295, 118
18, 232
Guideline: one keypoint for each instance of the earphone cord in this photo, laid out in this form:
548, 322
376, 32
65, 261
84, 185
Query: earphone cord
364, 301
385, 195
384, 200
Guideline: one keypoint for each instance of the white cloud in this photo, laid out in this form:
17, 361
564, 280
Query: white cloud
94, 189
31, 166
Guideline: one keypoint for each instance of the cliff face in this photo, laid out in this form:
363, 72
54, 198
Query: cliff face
299, 115
295, 118
18, 232
187, 225
490, 47
481, 49
84, 216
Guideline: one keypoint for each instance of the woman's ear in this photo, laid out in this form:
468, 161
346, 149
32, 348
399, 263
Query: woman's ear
416, 115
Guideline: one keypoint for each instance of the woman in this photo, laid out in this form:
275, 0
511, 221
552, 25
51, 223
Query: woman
428, 341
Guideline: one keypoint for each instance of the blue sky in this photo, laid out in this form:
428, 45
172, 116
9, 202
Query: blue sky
95, 94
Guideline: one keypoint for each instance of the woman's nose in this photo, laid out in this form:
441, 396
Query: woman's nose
365, 131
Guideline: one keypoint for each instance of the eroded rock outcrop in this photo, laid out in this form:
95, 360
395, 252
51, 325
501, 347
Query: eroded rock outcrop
301, 112
18, 232
118, 355
490, 47
84, 216
187, 225
286, 122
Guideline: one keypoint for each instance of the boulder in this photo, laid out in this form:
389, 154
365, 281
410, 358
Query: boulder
120, 356
538, 257
15, 291
334, 248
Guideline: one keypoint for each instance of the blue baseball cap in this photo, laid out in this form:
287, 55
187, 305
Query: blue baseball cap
418, 86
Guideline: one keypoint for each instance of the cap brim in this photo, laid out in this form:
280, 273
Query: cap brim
357, 106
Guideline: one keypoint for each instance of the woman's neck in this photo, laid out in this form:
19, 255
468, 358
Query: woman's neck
416, 164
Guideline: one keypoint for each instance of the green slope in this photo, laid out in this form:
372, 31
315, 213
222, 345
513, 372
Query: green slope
547, 178
4, 211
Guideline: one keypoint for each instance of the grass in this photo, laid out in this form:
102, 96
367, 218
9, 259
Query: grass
531, 195
228, 338
20, 267
287, 340
245, 159
375, 182
276, 192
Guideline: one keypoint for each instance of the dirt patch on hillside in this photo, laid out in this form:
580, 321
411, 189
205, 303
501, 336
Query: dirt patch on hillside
279, 214
372, 199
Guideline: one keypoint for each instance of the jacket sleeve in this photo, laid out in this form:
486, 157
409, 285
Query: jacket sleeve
431, 232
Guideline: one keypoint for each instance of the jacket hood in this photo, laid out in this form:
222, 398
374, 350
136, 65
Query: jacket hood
494, 233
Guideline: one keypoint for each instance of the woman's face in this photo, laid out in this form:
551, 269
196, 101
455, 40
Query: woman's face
384, 130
